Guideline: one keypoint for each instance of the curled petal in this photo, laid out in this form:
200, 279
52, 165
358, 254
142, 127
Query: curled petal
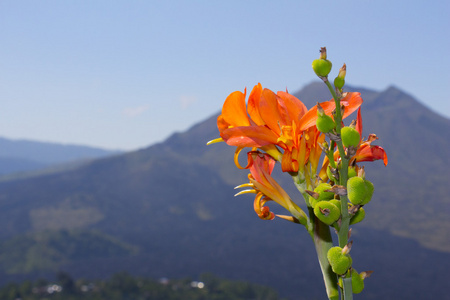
371, 153
236, 159
262, 211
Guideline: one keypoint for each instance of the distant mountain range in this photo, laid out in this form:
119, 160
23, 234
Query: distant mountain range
22, 156
169, 211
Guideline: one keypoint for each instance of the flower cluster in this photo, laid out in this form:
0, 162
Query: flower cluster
278, 127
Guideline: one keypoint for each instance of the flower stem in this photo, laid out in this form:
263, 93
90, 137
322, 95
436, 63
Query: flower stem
343, 177
323, 243
321, 236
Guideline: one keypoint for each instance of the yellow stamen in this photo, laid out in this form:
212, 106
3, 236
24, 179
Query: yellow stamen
250, 185
246, 192
288, 218
218, 140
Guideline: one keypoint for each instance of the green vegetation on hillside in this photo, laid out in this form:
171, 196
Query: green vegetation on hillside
124, 286
48, 250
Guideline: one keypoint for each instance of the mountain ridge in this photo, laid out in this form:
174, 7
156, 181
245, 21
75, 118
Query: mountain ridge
21, 156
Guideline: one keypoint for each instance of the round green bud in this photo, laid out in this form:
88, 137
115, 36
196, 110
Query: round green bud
326, 212
321, 67
358, 217
357, 282
339, 82
370, 188
350, 137
321, 190
339, 262
337, 203
356, 190
325, 123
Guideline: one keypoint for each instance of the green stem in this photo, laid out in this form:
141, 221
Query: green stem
321, 236
343, 177
323, 243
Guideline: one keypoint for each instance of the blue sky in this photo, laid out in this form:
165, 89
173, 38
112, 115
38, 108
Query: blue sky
127, 74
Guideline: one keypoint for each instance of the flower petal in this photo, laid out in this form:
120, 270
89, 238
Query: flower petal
371, 153
234, 111
269, 110
292, 106
253, 105
249, 136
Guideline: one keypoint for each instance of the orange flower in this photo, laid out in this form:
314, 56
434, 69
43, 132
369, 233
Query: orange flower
267, 189
280, 119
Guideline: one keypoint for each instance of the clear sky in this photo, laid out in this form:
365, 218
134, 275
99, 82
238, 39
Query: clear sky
127, 74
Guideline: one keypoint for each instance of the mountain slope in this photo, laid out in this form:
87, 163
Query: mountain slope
25, 155
169, 210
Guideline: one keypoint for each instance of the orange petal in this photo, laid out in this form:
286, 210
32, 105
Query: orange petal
351, 102
268, 108
359, 126
294, 108
249, 136
253, 105
234, 111
371, 153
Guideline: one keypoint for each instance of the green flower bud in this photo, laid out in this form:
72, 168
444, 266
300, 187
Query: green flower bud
339, 81
358, 217
339, 261
337, 203
322, 66
357, 282
326, 212
356, 190
370, 188
325, 123
350, 137
321, 190
352, 172
359, 191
